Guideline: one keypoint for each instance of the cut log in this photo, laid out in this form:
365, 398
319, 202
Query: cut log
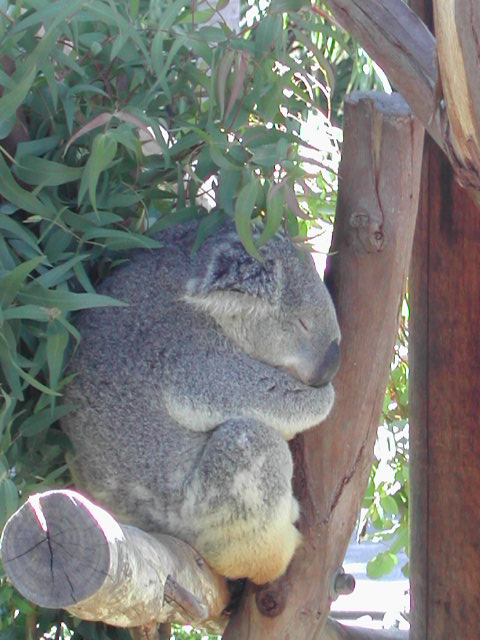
375, 221
62, 551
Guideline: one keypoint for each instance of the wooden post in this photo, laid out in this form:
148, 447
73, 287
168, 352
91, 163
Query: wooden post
444, 377
445, 408
377, 205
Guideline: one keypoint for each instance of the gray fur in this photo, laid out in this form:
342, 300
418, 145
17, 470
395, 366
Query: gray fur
187, 396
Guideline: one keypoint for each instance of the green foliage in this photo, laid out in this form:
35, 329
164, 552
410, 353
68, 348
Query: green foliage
386, 499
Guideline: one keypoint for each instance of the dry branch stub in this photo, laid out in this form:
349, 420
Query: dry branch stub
457, 29
375, 221
61, 550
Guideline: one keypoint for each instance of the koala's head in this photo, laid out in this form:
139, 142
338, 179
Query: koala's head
277, 310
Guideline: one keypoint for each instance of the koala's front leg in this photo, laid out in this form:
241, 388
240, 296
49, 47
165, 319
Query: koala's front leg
204, 388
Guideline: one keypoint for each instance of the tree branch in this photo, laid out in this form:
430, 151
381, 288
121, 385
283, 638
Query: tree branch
446, 101
395, 37
61, 550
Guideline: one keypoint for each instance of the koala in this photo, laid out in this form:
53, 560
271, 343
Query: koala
186, 398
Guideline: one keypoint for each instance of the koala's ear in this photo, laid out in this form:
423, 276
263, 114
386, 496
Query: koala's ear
231, 268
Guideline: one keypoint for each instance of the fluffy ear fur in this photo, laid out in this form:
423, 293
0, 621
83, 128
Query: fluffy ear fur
230, 268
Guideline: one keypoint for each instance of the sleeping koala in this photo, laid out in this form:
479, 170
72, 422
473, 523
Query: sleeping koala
186, 397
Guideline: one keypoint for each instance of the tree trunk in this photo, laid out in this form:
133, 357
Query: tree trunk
397, 39
61, 550
377, 204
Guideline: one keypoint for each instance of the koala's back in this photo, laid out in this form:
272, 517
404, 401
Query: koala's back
127, 450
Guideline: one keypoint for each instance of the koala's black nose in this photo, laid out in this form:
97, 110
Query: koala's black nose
329, 365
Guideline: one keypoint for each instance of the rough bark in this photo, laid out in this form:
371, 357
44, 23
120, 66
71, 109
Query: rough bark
377, 204
446, 103
61, 550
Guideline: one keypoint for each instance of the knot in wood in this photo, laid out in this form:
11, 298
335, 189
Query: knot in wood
271, 600
369, 231
343, 584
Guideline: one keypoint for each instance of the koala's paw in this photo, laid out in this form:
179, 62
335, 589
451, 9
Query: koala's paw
259, 553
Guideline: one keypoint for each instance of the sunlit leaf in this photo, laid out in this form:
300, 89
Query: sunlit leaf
381, 564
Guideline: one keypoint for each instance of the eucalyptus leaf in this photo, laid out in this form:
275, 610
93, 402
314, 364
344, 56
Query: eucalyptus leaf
275, 214
39, 171
40, 421
14, 193
12, 283
243, 213
8, 496
12, 99
57, 341
66, 300
9, 368
103, 151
